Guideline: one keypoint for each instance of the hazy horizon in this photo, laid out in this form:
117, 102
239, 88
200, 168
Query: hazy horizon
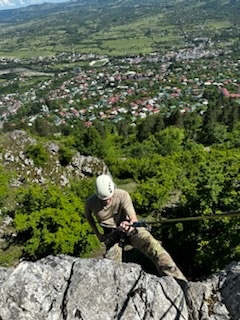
15, 4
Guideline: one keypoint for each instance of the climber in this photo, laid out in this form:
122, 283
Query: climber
113, 209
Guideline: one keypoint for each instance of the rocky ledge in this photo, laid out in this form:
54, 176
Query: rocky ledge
68, 288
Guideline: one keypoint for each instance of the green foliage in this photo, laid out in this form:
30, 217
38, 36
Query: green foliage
233, 140
38, 154
90, 142
148, 126
213, 180
42, 127
4, 185
192, 122
83, 189
209, 186
157, 178
142, 149
9, 255
65, 155
150, 196
214, 133
218, 244
170, 140
50, 221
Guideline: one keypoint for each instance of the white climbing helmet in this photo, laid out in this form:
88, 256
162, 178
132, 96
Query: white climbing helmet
104, 187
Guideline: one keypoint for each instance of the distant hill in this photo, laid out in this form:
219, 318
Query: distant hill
113, 26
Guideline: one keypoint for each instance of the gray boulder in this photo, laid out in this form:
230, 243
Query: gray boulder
68, 288
218, 296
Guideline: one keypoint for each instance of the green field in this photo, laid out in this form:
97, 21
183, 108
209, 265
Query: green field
115, 28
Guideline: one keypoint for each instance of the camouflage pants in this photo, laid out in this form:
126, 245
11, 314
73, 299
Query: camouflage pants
152, 249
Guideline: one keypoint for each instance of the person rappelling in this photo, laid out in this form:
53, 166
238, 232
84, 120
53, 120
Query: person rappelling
112, 209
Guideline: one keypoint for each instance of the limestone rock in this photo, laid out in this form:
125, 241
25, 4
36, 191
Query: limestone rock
68, 288
218, 296
13, 158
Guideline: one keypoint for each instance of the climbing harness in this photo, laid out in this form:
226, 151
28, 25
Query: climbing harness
116, 235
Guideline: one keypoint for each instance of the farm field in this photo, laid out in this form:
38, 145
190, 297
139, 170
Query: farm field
115, 28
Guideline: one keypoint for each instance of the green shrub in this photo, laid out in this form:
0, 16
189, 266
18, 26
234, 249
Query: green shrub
65, 155
50, 221
38, 154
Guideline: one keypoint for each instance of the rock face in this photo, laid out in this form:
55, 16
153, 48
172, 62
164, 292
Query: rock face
67, 288
217, 297
13, 157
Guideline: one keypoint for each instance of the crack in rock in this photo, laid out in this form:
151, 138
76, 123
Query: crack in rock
64, 300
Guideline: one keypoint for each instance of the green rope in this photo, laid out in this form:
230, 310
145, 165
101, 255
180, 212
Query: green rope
228, 214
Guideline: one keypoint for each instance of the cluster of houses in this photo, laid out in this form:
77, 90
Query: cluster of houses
226, 93
131, 89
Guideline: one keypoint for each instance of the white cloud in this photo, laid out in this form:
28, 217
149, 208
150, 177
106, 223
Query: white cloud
22, 2
12, 4
7, 3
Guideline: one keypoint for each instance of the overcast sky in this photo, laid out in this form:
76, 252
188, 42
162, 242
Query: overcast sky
13, 4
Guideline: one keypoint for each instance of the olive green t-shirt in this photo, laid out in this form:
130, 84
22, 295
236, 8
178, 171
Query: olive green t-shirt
110, 216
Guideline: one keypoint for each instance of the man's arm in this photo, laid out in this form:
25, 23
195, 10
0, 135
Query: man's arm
130, 214
91, 221
126, 225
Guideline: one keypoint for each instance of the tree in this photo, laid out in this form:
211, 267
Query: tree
175, 119
50, 221
213, 133
234, 137
170, 140
209, 186
156, 178
43, 127
91, 143
151, 195
145, 128
192, 123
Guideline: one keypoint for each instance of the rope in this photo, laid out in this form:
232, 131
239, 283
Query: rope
229, 214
